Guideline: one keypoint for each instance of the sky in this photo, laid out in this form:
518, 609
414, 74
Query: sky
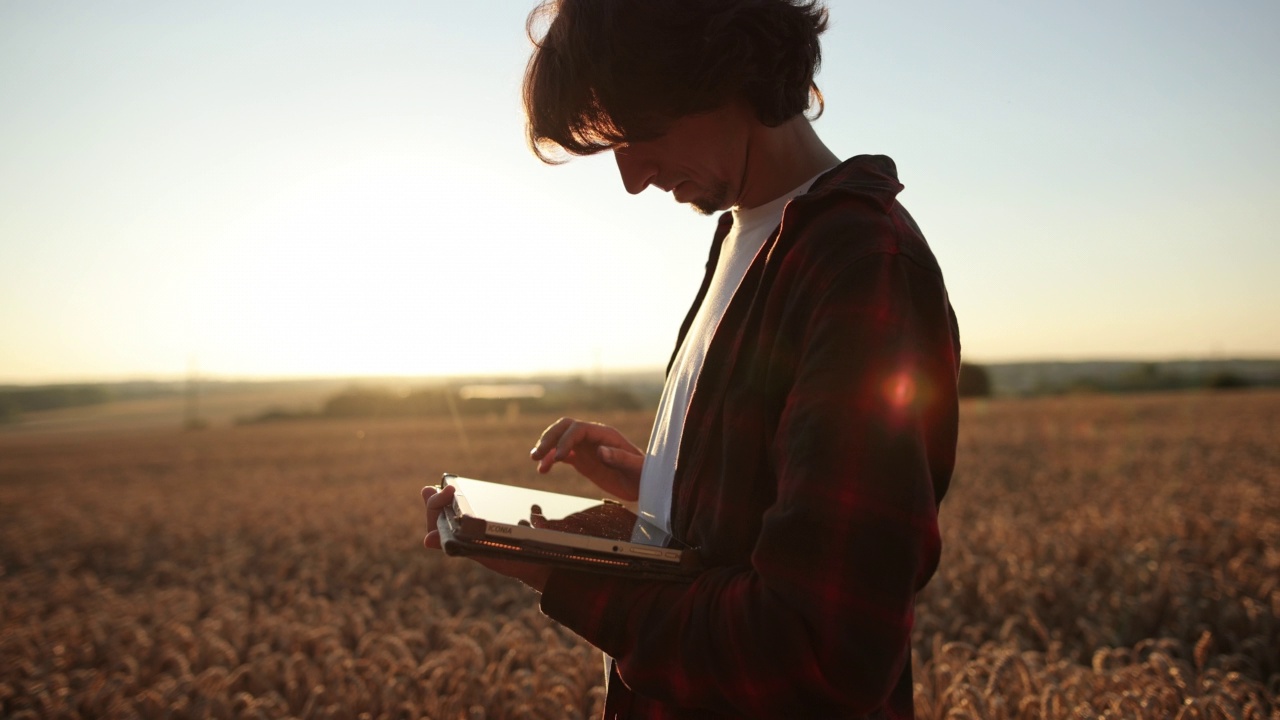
267, 190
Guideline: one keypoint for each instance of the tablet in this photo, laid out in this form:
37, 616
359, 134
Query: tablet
497, 520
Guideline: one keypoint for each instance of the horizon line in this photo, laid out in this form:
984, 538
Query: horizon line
587, 374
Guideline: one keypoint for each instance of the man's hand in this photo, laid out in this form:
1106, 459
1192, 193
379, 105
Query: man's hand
436, 500
598, 452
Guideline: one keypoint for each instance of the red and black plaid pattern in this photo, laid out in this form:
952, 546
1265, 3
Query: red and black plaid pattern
819, 441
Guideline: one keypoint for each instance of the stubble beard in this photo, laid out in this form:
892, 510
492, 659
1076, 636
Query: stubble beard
713, 201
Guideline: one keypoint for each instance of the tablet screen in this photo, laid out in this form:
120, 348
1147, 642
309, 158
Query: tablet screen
511, 505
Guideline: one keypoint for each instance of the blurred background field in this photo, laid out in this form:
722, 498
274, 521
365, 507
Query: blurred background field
1105, 556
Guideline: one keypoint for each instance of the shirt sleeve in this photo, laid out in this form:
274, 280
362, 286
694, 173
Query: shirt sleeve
818, 624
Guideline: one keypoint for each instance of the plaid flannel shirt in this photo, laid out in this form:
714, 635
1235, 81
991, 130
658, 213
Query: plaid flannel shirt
819, 440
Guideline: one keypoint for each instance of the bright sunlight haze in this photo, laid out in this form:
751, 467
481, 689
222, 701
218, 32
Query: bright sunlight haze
324, 188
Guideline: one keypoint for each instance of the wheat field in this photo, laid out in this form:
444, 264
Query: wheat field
1105, 556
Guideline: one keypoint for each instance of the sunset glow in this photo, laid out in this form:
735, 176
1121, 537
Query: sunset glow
318, 189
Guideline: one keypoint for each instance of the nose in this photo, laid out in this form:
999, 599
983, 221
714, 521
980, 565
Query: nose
637, 171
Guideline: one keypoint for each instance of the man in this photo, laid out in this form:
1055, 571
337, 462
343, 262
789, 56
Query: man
807, 428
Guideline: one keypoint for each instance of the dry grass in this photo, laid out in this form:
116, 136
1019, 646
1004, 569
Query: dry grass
1109, 556
1105, 556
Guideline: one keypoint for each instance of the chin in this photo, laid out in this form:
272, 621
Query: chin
713, 202
704, 208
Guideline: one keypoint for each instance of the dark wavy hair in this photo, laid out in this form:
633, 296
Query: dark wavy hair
607, 72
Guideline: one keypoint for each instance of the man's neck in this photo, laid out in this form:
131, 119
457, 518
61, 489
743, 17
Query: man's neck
780, 159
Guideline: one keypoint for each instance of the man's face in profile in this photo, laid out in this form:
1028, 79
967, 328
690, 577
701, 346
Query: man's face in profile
700, 159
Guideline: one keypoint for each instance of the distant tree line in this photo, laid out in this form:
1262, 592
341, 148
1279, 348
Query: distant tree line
974, 381
381, 402
1152, 377
1060, 378
1009, 379
15, 401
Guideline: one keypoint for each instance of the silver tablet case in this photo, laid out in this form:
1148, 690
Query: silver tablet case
494, 519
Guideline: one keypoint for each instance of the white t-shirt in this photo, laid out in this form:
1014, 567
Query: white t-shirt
751, 228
